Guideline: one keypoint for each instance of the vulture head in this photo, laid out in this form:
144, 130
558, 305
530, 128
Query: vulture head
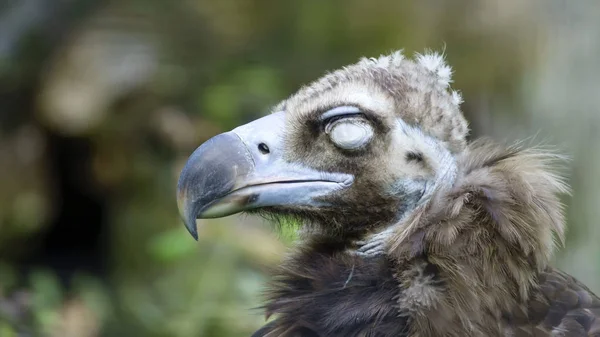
350, 154
412, 230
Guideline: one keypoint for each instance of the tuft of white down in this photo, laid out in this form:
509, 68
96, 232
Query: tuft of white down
384, 61
436, 64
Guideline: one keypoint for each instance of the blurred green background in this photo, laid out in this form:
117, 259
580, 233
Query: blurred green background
101, 102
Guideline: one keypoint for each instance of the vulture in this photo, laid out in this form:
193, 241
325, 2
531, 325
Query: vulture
407, 227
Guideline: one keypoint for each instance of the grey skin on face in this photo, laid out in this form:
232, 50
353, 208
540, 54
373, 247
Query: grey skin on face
244, 169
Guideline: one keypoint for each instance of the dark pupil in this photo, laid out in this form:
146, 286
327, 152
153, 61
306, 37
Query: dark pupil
263, 148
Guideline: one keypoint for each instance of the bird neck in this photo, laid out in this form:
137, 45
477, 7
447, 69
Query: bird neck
375, 242
486, 238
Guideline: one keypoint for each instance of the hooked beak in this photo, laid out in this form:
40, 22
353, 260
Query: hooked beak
244, 169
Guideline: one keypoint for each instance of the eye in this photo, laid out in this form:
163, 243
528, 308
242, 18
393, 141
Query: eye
349, 133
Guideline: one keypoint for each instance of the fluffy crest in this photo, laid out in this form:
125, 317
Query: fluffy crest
436, 64
384, 61
419, 89
431, 61
457, 97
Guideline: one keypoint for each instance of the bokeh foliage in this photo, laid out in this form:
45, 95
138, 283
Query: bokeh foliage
102, 101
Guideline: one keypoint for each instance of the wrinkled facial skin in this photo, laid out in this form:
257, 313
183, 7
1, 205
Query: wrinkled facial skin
389, 177
347, 157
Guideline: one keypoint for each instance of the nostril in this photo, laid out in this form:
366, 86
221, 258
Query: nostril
263, 148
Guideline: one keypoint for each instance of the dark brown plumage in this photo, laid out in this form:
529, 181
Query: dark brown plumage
317, 295
472, 262
408, 229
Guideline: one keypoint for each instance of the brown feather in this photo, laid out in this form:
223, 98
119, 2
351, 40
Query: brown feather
491, 234
470, 257
322, 290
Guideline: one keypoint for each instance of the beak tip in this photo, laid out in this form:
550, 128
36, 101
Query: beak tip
209, 174
186, 211
190, 224
194, 235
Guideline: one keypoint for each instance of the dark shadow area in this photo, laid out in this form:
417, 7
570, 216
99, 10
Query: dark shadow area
75, 240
